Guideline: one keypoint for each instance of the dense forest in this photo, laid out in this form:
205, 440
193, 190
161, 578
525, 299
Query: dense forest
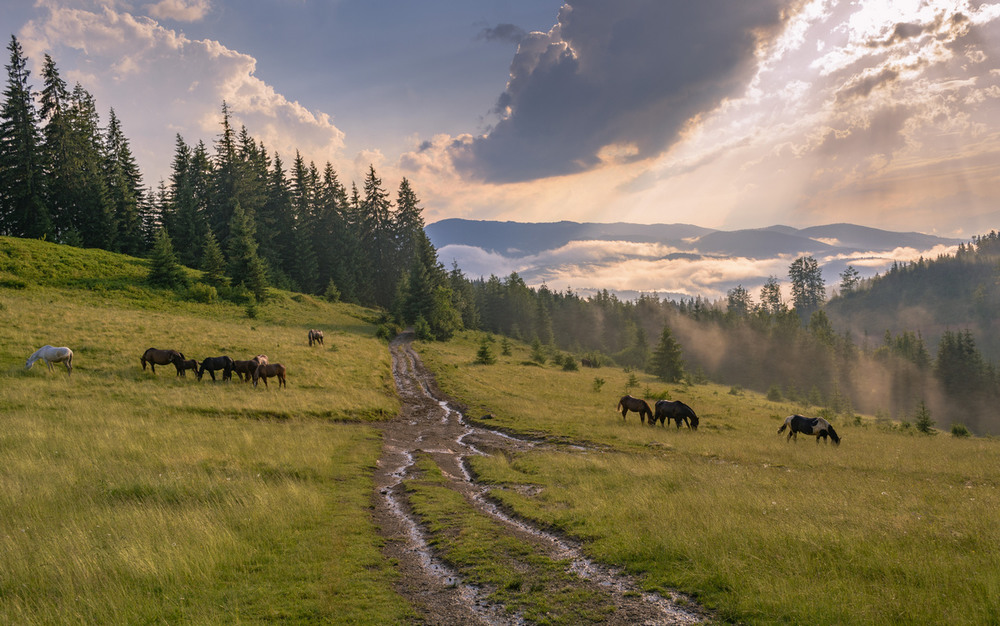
237, 212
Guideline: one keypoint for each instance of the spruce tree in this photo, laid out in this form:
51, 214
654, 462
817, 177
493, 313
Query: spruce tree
23, 212
666, 363
245, 266
378, 240
164, 271
213, 264
124, 184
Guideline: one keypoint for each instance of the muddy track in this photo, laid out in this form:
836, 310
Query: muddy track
429, 424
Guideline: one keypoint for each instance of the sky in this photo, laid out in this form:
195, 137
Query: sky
721, 113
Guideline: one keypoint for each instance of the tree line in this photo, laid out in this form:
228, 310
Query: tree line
232, 209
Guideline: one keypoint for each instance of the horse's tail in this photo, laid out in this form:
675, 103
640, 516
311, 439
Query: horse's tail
833, 435
69, 363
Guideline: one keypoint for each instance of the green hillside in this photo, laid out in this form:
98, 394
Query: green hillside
131, 497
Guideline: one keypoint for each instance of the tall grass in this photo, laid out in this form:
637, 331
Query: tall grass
131, 497
889, 527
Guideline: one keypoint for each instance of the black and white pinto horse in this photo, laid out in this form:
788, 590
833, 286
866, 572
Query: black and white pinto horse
665, 410
628, 403
815, 426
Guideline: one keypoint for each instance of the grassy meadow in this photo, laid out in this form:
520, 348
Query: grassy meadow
892, 526
133, 497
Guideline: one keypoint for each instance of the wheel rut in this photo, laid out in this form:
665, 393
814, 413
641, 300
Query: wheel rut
429, 424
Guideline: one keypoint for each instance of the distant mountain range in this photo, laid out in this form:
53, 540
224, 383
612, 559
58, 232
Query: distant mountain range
519, 239
560, 253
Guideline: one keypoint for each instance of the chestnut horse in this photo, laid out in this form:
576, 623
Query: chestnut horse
628, 403
270, 369
161, 357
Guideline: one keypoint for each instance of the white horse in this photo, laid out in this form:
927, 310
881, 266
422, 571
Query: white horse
52, 355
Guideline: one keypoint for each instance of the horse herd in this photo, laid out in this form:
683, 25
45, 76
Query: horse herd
257, 368
666, 410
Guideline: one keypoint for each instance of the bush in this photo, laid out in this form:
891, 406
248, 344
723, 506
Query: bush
959, 430
569, 364
200, 292
598, 383
331, 293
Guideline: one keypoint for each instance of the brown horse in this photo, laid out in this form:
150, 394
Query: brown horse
315, 336
189, 364
161, 357
665, 410
628, 403
245, 369
270, 369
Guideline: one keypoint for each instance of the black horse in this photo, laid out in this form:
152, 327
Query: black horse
213, 363
815, 426
676, 410
628, 403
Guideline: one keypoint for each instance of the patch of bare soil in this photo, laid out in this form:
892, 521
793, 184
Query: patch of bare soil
429, 424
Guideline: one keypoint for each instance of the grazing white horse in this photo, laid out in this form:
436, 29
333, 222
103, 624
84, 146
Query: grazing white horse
52, 355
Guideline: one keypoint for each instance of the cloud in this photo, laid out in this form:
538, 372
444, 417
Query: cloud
507, 33
632, 267
179, 10
622, 76
161, 83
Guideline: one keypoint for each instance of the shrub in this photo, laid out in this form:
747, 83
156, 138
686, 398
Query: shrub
504, 347
774, 394
200, 292
598, 383
569, 364
959, 430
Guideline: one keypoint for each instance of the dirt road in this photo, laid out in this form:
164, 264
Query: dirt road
428, 424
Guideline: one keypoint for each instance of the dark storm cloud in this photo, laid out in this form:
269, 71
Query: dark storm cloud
627, 74
507, 33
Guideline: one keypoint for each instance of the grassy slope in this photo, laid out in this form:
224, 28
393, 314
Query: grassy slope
890, 527
131, 497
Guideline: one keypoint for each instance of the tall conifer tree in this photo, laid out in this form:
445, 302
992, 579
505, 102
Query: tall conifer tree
23, 212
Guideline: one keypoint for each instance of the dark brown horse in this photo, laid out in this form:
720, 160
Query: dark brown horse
315, 336
245, 369
264, 370
189, 364
161, 357
213, 363
628, 403
665, 410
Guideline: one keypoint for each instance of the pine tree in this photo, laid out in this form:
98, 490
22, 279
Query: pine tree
378, 239
666, 363
300, 261
164, 271
23, 212
124, 184
213, 264
808, 291
245, 266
